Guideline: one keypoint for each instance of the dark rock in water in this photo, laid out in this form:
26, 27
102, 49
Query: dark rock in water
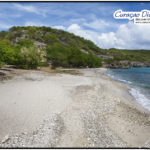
126, 64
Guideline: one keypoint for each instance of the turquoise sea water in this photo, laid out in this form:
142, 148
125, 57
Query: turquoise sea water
139, 81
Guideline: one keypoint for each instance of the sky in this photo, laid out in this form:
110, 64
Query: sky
91, 20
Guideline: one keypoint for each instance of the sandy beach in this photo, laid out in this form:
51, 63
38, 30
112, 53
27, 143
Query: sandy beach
41, 109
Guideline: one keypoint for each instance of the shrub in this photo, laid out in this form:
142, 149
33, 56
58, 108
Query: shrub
1, 64
68, 56
25, 43
50, 39
31, 57
8, 54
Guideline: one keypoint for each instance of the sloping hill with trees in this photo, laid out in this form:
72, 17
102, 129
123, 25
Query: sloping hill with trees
30, 47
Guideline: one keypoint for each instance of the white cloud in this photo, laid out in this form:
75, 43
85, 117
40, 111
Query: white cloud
5, 26
87, 34
59, 27
2, 15
74, 27
127, 36
30, 23
78, 20
97, 24
27, 8
32, 9
104, 40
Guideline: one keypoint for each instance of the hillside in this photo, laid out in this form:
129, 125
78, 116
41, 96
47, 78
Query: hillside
30, 47
116, 58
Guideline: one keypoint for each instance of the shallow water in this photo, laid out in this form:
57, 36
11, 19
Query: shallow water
139, 81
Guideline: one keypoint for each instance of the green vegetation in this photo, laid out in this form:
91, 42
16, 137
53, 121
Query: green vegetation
23, 55
68, 56
129, 56
30, 47
8, 54
73, 72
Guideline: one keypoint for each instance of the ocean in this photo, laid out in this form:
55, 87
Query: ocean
138, 80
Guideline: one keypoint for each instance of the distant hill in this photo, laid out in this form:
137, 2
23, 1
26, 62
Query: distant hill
30, 47
116, 58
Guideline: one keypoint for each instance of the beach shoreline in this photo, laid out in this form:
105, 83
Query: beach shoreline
133, 98
84, 110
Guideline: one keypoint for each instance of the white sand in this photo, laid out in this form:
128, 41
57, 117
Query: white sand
27, 99
41, 109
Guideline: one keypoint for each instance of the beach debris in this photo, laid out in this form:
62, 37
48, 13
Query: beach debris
47, 134
6, 138
147, 144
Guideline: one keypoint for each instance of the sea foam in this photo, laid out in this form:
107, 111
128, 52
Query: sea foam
134, 90
141, 99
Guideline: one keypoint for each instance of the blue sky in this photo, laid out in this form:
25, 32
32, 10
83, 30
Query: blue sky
92, 20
